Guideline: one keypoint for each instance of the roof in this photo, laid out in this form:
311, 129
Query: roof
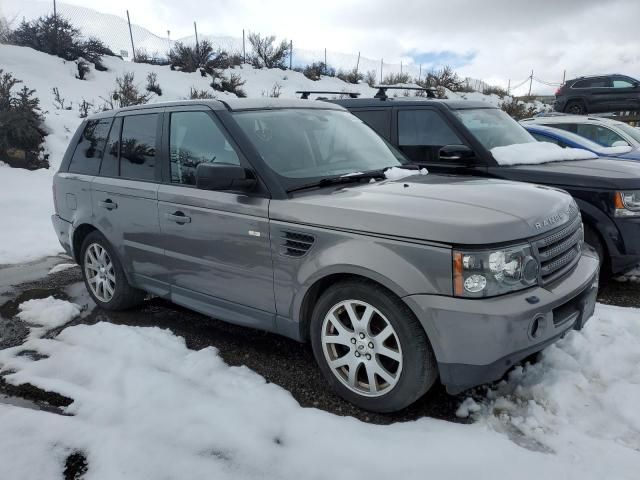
231, 104
409, 101
568, 118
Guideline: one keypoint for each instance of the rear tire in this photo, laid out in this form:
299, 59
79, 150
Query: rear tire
576, 107
104, 276
370, 347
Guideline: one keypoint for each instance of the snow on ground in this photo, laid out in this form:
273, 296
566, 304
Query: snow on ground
61, 267
147, 407
533, 153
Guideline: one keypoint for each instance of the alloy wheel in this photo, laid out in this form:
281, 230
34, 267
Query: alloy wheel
99, 271
361, 348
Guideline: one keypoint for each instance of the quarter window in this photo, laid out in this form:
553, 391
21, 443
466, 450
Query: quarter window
379, 120
194, 139
620, 83
424, 128
138, 147
90, 147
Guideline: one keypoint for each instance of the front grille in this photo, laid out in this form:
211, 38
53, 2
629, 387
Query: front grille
559, 252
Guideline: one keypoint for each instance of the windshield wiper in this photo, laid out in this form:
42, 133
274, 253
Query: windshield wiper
351, 178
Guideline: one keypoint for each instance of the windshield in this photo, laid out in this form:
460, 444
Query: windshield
493, 127
633, 132
305, 145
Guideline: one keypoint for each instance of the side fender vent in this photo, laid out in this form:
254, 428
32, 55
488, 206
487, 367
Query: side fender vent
294, 244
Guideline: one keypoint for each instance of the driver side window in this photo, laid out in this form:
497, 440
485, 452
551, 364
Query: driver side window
421, 134
195, 138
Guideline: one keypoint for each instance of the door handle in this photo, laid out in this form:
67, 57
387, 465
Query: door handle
108, 204
178, 217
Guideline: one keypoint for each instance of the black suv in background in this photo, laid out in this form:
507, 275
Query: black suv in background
606, 93
456, 137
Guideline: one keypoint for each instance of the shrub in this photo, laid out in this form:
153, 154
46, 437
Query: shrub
57, 36
230, 83
395, 78
495, 90
59, 101
125, 94
517, 108
316, 70
83, 108
5, 31
352, 76
275, 91
195, 94
21, 132
370, 77
83, 69
152, 84
446, 77
265, 53
188, 58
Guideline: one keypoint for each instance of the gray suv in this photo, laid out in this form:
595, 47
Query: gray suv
276, 214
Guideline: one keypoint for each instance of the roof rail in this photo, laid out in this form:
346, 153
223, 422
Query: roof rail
305, 93
382, 90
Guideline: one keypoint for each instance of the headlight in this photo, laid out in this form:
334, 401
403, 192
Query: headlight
627, 204
493, 272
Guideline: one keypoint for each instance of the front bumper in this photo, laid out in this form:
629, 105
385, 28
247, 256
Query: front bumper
63, 230
476, 341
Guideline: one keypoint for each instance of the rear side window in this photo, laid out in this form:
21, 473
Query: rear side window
138, 147
109, 166
592, 83
379, 120
194, 139
90, 148
622, 83
424, 127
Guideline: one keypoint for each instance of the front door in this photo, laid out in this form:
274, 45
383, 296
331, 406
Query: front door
216, 244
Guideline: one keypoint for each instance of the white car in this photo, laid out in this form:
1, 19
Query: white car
603, 131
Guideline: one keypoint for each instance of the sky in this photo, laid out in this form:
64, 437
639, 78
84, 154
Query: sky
492, 40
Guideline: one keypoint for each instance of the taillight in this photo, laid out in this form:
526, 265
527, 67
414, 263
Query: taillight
559, 90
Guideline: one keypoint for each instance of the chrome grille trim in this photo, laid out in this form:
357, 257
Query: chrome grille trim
559, 252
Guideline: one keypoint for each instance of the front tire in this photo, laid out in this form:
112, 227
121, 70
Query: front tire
370, 347
104, 276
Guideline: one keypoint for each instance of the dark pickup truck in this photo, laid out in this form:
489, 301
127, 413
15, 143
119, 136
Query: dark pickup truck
457, 137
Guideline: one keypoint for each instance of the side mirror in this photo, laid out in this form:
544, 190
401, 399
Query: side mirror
456, 153
212, 176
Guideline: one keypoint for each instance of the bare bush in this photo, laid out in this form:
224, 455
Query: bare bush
446, 77
265, 53
316, 70
125, 94
396, 78
83, 69
518, 108
495, 90
152, 84
84, 107
352, 76
275, 91
187, 58
370, 78
195, 94
228, 83
59, 101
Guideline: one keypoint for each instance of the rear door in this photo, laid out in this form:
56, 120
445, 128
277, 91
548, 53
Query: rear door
625, 96
124, 197
216, 243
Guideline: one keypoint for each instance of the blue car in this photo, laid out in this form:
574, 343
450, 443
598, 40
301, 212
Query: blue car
567, 139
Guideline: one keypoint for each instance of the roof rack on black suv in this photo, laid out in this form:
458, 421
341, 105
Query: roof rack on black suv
382, 90
305, 93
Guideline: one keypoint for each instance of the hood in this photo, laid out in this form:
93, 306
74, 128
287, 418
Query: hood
603, 173
446, 209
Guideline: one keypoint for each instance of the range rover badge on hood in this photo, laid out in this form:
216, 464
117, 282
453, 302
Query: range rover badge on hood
559, 217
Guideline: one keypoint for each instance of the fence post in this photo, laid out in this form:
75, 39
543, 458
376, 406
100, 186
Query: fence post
244, 50
420, 74
358, 64
290, 55
133, 48
195, 28
508, 87
381, 64
530, 83
55, 24
325, 58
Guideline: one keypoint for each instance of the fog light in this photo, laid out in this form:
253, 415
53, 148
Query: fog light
475, 283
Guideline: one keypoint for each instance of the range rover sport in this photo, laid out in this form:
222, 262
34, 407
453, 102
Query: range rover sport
278, 215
